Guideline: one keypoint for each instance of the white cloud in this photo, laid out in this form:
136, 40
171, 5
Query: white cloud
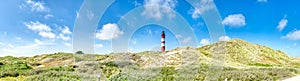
202, 7
6, 50
187, 40
10, 45
66, 30
224, 38
18, 38
294, 35
36, 41
4, 33
45, 42
137, 3
99, 45
109, 31
43, 29
47, 35
178, 36
184, 40
65, 33
295, 44
67, 44
204, 41
48, 16
262, 0
282, 24
26, 50
234, 20
37, 26
152, 10
18, 51
37, 6
2, 44
63, 37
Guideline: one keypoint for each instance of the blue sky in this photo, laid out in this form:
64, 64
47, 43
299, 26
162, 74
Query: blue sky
32, 27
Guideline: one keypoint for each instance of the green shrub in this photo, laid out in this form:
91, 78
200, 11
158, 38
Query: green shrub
101, 57
58, 55
55, 76
85, 57
205, 53
14, 70
61, 68
168, 71
79, 52
110, 64
109, 68
260, 64
167, 74
9, 74
258, 74
11, 59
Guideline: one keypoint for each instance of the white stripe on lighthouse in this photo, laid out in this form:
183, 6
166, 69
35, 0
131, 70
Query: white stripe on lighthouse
162, 44
162, 39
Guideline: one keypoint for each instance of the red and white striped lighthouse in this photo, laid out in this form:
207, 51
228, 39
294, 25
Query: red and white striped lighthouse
163, 41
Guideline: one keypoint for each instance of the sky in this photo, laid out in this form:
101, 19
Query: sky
33, 27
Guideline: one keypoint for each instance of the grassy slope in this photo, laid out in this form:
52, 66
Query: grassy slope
242, 52
242, 61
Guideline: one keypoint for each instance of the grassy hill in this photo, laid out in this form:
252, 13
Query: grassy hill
237, 59
245, 53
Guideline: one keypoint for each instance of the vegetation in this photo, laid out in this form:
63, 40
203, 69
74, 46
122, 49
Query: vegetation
167, 73
14, 69
54, 76
79, 52
243, 61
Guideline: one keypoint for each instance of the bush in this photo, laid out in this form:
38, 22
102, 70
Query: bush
258, 74
9, 74
109, 68
85, 57
205, 53
110, 64
54, 76
79, 52
19, 78
1, 63
62, 68
260, 64
14, 70
168, 73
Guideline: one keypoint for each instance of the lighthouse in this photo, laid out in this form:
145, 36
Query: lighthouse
163, 41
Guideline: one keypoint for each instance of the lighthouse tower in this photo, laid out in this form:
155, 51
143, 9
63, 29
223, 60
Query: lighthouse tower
163, 41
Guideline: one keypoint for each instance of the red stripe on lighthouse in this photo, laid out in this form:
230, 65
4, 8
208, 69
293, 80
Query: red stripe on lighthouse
163, 41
